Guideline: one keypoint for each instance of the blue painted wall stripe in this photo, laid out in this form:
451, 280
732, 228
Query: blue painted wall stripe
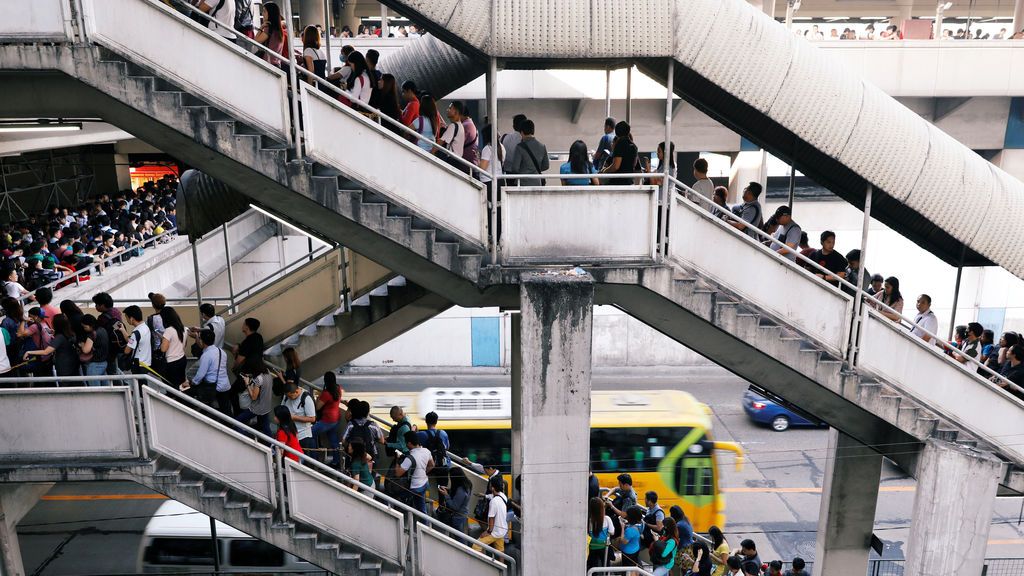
486, 339
1015, 125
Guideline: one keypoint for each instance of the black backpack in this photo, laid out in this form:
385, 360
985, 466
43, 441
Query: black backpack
657, 551
243, 15
483, 506
114, 336
362, 433
436, 447
648, 536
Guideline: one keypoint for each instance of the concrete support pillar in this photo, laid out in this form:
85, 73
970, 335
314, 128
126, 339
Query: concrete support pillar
349, 18
15, 501
1018, 16
747, 167
847, 513
556, 336
311, 13
956, 492
906, 11
516, 372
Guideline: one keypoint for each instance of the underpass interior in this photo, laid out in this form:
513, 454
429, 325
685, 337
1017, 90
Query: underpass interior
774, 500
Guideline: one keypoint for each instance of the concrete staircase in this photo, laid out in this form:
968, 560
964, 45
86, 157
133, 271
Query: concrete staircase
692, 308
373, 319
235, 508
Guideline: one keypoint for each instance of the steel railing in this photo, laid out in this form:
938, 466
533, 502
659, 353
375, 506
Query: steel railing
209, 415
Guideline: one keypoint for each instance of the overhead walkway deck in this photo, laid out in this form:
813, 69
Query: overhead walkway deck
748, 72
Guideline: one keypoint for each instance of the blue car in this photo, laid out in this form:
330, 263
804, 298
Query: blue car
765, 411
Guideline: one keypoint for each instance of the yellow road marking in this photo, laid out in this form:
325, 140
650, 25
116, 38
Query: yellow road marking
809, 490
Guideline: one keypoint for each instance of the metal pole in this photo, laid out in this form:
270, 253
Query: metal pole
608, 93
666, 158
309, 246
293, 81
345, 293
383, 21
858, 314
792, 185
956, 293
216, 548
231, 276
495, 200
199, 283
629, 95
327, 33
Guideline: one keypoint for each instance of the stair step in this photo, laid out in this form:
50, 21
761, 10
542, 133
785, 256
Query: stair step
214, 492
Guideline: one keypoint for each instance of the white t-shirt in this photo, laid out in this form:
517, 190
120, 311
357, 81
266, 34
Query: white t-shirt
419, 475
454, 138
14, 290
498, 510
226, 16
307, 409
144, 347
175, 347
487, 154
705, 187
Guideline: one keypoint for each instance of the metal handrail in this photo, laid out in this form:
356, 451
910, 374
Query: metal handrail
345, 93
96, 265
619, 570
205, 412
867, 300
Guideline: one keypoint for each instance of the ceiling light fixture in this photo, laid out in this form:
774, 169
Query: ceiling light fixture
40, 127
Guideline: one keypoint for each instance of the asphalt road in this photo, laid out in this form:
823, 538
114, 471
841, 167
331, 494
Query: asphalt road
774, 500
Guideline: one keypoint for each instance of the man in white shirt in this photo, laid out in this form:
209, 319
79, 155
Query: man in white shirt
222, 11
454, 136
497, 517
300, 404
704, 186
140, 341
418, 458
211, 321
925, 319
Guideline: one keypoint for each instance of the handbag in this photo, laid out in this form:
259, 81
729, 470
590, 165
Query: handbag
533, 160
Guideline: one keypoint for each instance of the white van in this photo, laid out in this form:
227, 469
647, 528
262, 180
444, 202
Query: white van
177, 539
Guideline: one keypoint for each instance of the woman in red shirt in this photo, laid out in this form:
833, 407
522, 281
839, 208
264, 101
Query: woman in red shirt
287, 434
328, 416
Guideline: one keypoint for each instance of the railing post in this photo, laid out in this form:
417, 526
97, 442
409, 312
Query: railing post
345, 289
414, 559
282, 511
137, 405
199, 282
492, 111
293, 82
667, 160
231, 276
857, 320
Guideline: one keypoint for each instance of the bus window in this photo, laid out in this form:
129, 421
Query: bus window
633, 449
485, 447
708, 486
255, 553
180, 551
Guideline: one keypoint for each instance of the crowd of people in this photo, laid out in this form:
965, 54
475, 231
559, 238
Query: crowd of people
620, 532
892, 32
41, 250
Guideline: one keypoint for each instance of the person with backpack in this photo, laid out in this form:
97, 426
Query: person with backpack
328, 410
749, 212
222, 11
428, 123
415, 466
654, 517
600, 531
111, 320
300, 403
155, 323
364, 430
453, 139
59, 348
138, 349
497, 516
286, 431
531, 157
243, 21
361, 465
436, 442
396, 437
663, 550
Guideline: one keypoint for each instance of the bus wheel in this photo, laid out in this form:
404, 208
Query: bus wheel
780, 424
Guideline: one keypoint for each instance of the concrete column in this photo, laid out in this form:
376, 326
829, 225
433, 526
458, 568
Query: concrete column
747, 167
557, 330
311, 13
516, 372
15, 501
956, 492
906, 11
847, 514
1018, 16
349, 18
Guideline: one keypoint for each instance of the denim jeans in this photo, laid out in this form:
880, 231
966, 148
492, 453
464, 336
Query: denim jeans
262, 420
330, 429
96, 369
419, 501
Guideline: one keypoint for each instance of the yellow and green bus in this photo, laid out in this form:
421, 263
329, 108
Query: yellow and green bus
662, 438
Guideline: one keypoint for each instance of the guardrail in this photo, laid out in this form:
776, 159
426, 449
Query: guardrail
158, 419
